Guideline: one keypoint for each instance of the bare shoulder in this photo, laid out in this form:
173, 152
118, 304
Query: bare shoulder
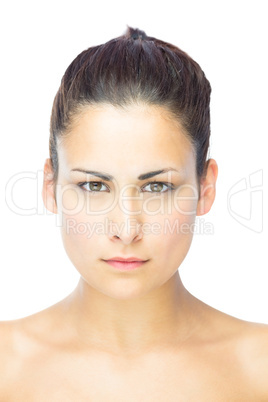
7, 357
24, 342
240, 349
6, 343
253, 352
247, 352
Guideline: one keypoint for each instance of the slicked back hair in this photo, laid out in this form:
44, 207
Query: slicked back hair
131, 69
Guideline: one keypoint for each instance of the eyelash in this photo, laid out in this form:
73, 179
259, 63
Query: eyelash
169, 186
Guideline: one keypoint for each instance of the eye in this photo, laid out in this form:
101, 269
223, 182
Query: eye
158, 186
96, 186
92, 186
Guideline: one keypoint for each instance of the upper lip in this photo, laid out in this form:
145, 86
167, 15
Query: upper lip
129, 259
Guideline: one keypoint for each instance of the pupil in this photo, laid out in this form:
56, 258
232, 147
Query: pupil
156, 186
93, 186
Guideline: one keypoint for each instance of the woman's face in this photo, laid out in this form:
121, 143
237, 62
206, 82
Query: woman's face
124, 214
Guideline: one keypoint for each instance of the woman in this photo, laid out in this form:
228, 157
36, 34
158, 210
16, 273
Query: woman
127, 175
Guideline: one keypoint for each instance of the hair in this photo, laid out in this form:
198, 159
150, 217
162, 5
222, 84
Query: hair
132, 69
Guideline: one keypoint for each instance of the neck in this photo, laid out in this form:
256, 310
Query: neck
162, 317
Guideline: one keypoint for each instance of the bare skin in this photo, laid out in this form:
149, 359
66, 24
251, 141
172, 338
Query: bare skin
137, 335
46, 357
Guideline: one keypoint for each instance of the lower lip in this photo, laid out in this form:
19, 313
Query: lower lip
125, 266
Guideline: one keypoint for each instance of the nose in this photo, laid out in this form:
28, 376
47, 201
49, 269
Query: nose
125, 222
126, 233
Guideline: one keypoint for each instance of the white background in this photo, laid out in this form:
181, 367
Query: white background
227, 269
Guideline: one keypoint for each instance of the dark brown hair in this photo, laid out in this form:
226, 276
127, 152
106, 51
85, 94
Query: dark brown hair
135, 68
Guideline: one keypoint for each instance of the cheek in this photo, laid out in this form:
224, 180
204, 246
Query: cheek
82, 237
172, 236
167, 228
72, 200
69, 200
169, 233
185, 201
82, 220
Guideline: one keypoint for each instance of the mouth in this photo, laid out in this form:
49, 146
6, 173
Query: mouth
126, 259
125, 264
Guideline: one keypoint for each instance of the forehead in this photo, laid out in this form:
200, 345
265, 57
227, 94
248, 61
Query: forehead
139, 135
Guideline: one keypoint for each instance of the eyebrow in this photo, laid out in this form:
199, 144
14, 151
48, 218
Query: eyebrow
107, 177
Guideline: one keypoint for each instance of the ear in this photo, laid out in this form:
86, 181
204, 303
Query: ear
207, 188
48, 193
